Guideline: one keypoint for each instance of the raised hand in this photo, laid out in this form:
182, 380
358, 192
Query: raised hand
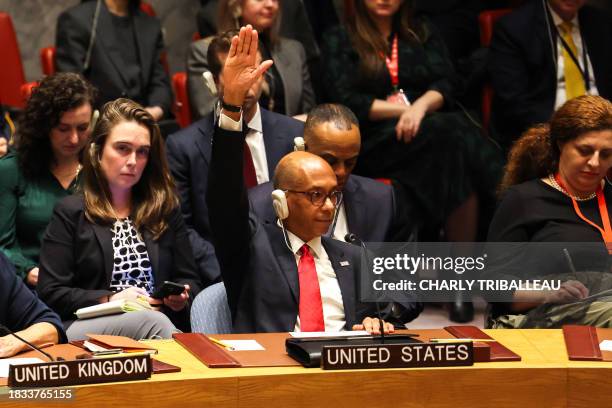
241, 69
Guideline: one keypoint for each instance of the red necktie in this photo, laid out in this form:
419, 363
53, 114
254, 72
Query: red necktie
311, 306
248, 171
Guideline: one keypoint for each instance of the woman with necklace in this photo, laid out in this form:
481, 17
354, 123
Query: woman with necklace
555, 191
123, 237
44, 167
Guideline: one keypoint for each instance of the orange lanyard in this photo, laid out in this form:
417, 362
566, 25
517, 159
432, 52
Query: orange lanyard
393, 64
606, 231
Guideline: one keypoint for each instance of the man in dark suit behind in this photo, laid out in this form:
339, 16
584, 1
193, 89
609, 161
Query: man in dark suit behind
117, 47
368, 208
272, 272
527, 64
269, 137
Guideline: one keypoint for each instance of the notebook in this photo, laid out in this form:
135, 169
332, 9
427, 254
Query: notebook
114, 307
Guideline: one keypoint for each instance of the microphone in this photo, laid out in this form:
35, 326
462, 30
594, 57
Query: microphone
5, 330
352, 238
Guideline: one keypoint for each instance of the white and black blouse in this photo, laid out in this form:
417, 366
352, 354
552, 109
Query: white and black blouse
131, 264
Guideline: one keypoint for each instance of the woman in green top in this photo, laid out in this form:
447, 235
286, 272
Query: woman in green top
44, 167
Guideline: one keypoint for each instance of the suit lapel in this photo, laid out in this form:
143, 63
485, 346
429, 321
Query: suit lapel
345, 273
285, 258
272, 140
355, 207
204, 141
283, 66
548, 37
106, 35
105, 240
144, 41
598, 51
153, 252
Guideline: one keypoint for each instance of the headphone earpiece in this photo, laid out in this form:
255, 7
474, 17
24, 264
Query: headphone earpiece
93, 152
279, 202
298, 144
94, 120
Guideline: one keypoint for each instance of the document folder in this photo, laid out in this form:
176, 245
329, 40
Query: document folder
582, 343
499, 352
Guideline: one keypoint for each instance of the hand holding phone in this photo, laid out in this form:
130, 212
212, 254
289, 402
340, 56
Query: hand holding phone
168, 288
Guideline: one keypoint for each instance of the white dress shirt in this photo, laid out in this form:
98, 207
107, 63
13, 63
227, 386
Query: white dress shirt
341, 227
331, 296
561, 97
255, 141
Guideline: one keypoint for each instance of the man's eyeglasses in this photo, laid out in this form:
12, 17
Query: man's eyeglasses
317, 198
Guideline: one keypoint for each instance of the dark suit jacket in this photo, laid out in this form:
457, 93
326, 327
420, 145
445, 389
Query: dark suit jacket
523, 72
289, 60
258, 269
19, 306
106, 69
189, 154
369, 205
76, 260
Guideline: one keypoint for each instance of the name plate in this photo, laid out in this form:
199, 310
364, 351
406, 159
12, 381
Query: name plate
397, 356
89, 371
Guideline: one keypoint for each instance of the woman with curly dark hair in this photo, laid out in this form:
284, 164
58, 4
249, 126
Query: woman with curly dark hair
44, 167
555, 199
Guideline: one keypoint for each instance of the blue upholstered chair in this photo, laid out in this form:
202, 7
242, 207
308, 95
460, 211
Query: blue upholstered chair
210, 311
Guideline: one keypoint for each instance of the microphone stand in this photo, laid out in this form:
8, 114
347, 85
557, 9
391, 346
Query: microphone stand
354, 239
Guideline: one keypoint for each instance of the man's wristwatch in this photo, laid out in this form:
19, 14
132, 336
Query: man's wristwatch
230, 108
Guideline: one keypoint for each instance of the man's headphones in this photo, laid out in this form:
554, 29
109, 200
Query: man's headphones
93, 153
94, 120
298, 144
279, 202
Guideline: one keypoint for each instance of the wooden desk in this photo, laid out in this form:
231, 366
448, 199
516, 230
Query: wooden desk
544, 378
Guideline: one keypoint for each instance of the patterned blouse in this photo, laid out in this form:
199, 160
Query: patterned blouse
131, 264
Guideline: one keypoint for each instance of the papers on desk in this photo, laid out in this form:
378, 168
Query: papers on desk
304, 335
5, 363
605, 345
243, 345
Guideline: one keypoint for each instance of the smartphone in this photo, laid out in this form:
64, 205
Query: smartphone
168, 288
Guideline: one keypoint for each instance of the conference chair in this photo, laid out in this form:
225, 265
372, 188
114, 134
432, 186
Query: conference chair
486, 22
26, 91
210, 311
182, 107
11, 67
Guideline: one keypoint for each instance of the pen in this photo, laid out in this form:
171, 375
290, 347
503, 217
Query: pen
220, 343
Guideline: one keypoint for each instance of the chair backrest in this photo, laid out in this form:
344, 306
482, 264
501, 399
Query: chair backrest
486, 22
210, 311
349, 9
11, 68
148, 9
47, 60
182, 108
26, 91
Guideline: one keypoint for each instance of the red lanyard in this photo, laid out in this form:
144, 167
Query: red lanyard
606, 231
393, 64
